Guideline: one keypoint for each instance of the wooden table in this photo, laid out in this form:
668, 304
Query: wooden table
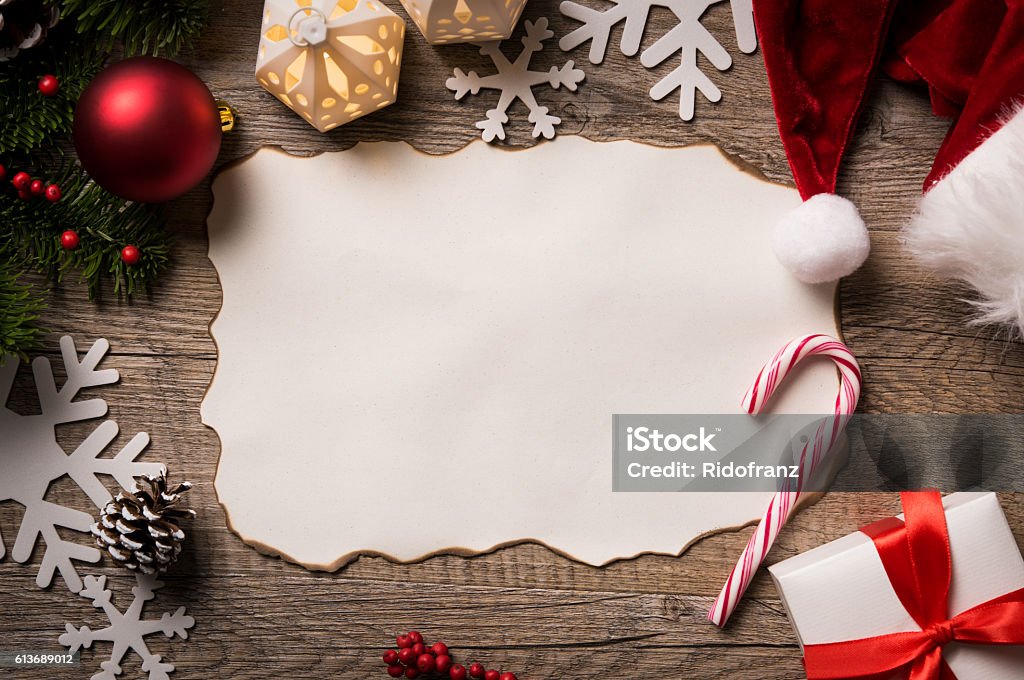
521, 608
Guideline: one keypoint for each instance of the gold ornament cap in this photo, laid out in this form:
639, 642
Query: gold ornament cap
227, 116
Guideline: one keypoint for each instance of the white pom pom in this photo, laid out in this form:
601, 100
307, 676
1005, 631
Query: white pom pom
823, 240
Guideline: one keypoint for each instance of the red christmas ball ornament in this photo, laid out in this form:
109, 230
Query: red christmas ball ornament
130, 255
37, 187
48, 85
147, 129
53, 193
457, 672
21, 181
69, 240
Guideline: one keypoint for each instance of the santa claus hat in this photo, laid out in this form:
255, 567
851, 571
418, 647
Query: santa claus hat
821, 56
969, 224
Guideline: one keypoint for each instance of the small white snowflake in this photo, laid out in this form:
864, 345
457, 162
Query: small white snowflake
516, 80
688, 38
127, 630
31, 459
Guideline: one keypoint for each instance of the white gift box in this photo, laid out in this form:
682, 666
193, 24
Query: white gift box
840, 591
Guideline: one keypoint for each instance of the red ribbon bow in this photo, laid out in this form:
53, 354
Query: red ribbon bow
917, 560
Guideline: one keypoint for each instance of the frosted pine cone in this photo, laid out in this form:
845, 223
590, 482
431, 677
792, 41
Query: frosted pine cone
24, 23
140, 530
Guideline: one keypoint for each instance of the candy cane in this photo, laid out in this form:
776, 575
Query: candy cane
772, 375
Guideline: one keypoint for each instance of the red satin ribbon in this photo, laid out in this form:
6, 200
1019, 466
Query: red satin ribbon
917, 560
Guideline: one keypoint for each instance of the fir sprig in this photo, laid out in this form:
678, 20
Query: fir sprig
32, 130
155, 27
104, 224
20, 306
28, 120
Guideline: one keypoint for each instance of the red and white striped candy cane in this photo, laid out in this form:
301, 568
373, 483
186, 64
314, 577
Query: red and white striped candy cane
772, 375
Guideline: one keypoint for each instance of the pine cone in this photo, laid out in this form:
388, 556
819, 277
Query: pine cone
24, 23
140, 530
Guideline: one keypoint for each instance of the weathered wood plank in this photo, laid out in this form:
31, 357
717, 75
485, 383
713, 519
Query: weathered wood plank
522, 607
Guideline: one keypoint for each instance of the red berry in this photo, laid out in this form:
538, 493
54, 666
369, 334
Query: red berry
3, 172
419, 648
508, 676
476, 670
492, 675
53, 193
403, 641
69, 240
457, 672
24, 194
390, 656
49, 85
412, 672
407, 656
395, 671
130, 255
426, 663
21, 181
444, 662
36, 187
439, 649
415, 636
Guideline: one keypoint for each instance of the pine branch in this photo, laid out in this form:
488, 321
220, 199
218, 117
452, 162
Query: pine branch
104, 224
20, 306
34, 127
156, 27
28, 120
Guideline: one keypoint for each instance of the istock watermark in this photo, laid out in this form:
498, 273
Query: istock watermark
686, 452
648, 439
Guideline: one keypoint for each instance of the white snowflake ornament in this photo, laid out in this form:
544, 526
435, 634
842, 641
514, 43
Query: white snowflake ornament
453, 21
31, 459
127, 630
688, 38
515, 80
330, 61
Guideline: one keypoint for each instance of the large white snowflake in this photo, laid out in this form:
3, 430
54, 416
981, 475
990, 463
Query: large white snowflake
31, 459
688, 38
515, 80
128, 630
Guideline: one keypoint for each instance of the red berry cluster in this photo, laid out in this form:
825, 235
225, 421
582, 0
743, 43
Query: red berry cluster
29, 187
414, 659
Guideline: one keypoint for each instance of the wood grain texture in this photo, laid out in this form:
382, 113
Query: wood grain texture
522, 608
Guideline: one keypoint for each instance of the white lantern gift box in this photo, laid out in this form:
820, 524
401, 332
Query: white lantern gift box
454, 21
330, 61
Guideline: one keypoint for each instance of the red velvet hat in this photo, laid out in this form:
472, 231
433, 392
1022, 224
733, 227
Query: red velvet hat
820, 56
969, 54
969, 224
